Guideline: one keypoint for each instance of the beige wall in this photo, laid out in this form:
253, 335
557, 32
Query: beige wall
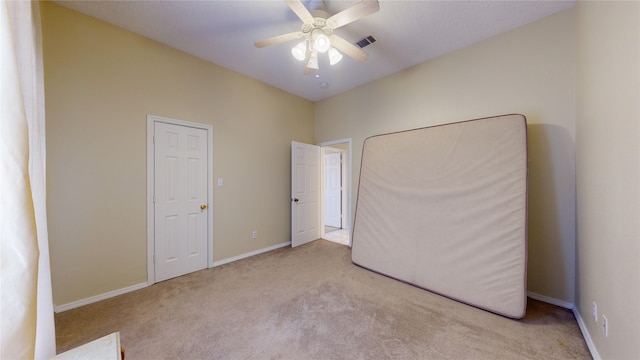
100, 83
530, 71
608, 173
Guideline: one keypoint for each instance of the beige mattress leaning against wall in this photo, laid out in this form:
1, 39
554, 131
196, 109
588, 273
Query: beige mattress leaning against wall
444, 208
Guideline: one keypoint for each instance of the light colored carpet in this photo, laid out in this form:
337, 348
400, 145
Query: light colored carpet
311, 302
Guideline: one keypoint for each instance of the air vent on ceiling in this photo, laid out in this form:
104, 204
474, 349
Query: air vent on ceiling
366, 41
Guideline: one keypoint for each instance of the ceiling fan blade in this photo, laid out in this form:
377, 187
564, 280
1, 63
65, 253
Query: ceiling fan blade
298, 7
279, 39
355, 12
348, 48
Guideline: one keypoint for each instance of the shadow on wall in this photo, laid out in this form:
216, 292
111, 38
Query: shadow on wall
551, 202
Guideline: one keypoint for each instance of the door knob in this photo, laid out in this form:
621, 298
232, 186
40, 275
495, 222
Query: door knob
203, 206
295, 199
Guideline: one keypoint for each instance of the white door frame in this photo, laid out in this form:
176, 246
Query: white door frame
151, 121
347, 209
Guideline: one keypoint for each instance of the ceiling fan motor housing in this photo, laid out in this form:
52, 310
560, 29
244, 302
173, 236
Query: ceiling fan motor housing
318, 30
319, 22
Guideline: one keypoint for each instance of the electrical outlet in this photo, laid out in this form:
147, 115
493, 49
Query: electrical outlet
605, 325
595, 312
254, 234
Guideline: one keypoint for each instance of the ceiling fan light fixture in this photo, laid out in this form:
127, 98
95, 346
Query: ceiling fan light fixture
300, 51
321, 43
334, 56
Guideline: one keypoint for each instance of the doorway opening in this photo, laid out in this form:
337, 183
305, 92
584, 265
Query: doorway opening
336, 191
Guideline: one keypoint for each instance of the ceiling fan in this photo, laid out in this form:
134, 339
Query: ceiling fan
318, 35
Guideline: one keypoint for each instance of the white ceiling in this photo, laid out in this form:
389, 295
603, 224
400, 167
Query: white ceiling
407, 33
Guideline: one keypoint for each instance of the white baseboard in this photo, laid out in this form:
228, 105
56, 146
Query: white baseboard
576, 313
90, 300
550, 300
251, 253
586, 335
110, 294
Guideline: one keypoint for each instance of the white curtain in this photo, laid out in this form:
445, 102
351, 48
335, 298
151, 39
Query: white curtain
26, 307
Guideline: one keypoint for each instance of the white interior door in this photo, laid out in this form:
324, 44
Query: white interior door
333, 190
180, 206
305, 193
